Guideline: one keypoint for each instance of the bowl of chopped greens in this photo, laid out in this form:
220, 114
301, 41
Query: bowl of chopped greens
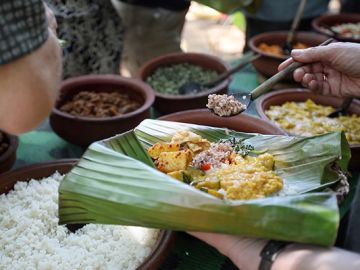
167, 73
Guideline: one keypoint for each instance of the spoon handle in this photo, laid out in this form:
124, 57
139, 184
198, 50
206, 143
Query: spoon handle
342, 109
296, 21
269, 83
246, 60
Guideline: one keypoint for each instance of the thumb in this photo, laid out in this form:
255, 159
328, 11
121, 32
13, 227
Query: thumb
314, 54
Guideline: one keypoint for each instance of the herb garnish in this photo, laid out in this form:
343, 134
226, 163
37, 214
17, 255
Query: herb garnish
238, 145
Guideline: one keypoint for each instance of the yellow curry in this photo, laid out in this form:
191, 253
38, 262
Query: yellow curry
224, 169
308, 118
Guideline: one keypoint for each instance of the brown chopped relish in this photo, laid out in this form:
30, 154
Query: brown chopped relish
100, 104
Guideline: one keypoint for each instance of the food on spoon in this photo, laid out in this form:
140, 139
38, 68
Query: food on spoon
224, 105
277, 49
227, 169
308, 118
100, 104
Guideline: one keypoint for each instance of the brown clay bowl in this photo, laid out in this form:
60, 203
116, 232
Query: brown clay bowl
329, 20
300, 95
268, 63
8, 158
39, 171
242, 122
173, 103
85, 130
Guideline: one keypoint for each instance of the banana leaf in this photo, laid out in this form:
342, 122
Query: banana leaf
115, 182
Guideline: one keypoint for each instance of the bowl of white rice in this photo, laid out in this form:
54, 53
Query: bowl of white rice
30, 237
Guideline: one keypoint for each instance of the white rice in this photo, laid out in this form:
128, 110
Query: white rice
30, 237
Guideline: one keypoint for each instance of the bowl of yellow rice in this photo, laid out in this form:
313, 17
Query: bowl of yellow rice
302, 112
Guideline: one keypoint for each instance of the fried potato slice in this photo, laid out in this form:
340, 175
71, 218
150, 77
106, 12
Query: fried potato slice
174, 161
155, 150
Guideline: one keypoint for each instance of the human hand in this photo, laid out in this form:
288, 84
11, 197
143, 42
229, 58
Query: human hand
244, 252
330, 70
52, 24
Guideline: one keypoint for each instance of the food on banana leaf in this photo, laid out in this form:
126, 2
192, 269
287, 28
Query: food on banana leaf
308, 118
223, 168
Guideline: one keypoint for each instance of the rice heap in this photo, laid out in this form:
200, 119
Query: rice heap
30, 237
224, 105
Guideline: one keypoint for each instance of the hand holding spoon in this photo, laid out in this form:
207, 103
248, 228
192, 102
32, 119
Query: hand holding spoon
221, 106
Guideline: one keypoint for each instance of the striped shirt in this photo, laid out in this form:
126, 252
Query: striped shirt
23, 28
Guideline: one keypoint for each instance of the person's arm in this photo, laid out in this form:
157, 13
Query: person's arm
245, 253
330, 70
30, 65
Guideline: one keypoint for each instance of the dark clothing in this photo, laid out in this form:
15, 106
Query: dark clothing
350, 6
352, 238
256, 26
93, 33
175, 5
23, 28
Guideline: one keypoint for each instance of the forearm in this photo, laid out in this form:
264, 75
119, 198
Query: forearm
246, 256
304, 257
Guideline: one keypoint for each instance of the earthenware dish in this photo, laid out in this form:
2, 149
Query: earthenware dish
85, 130
268, 63
328, 20
39, 171
301, 95
173, 103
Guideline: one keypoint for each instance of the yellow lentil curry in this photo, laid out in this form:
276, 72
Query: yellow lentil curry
226, 169
308, 118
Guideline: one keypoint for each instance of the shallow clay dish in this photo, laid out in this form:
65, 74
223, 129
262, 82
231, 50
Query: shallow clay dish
85, 130
8, 158
301, 95
329, 20
38, 171
268, 63
173, 103
242, 122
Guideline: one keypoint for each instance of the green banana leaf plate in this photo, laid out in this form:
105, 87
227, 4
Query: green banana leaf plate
115, 182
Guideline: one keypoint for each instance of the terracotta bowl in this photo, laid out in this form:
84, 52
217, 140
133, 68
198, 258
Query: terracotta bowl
38, 171
85, 130
8, 158
242, 122
173, 103
268, 63
329, 20
300, 95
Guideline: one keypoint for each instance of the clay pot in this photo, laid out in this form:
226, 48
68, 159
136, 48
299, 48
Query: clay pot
39, 171
173, 103
301, 95
329, 20
85, 130
268, 63
242, 122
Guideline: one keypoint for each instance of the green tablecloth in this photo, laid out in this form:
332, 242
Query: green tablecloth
188, 253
